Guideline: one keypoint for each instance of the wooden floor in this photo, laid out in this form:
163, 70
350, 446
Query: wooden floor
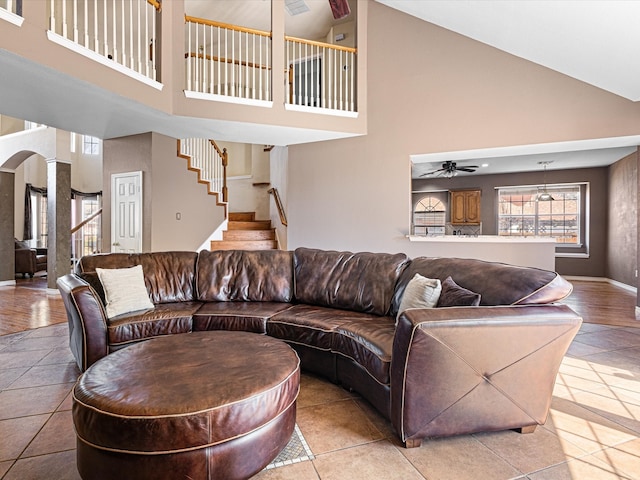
28, 305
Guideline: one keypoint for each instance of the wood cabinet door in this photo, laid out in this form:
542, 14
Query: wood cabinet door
472, 207
457, 207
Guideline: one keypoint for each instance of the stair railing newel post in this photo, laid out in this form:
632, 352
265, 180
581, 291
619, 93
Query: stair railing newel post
225, 162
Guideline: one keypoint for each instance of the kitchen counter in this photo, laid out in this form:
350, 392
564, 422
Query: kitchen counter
536, 252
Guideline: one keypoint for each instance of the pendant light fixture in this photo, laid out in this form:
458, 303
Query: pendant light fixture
544, 196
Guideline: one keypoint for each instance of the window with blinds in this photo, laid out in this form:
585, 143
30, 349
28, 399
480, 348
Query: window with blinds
523, 212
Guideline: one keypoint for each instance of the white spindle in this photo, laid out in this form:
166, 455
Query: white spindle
115, 33
131, 37
96, 42
189, 56
75, 21
233, 63
124, 40
64, 20
105, 29
52, 18
268, 75
211, 65
146, 38
86, 24
219, 91
196, 79
139, 39
154, 41
226, 63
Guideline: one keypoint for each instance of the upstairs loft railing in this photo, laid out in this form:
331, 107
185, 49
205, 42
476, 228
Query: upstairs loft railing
124, 31
321, 75
13, 6
209, 161
228, 60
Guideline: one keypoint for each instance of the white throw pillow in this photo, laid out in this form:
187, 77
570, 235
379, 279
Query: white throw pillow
420, 292
124, 290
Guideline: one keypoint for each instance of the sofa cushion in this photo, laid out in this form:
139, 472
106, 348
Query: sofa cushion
244, 275
361, 282
168, 276
307, 325
421, 292
242, 316
453, 295
497, 283
367, 340
124, 290
164, 319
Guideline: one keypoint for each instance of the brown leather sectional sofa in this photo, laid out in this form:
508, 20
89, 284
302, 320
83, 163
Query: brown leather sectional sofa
432, 371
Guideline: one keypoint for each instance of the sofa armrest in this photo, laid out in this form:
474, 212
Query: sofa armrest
87, 320
25, 260
462, 370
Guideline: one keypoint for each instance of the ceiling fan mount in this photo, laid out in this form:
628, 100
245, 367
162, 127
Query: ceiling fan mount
450, 169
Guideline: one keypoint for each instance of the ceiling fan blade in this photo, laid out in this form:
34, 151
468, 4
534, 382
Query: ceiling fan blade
432, 172
466, 169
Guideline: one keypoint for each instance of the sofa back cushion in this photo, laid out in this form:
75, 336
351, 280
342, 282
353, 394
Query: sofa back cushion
497, 283
168, 276
361, 282
245, 275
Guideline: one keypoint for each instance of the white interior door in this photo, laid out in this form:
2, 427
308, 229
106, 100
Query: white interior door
126, 212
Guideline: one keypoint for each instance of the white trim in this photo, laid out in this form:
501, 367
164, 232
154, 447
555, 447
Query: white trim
571, 255
66, 43
7, 283
11, 17
53, 291
7, 170
320, 110
624, 286
228, 99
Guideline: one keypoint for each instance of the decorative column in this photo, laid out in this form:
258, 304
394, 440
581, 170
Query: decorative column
58, 220
7, 227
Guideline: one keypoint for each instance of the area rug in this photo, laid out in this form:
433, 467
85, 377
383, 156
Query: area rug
296, 451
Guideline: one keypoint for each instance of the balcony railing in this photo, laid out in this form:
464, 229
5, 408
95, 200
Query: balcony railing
123, 31
13, 6
227, 60
321, 75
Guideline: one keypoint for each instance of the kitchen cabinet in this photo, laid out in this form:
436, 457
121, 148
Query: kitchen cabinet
465, 207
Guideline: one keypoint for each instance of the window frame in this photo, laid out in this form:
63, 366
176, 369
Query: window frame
93, 143
579, 249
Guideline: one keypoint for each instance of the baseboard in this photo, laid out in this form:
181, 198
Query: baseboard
7, 283
624, 286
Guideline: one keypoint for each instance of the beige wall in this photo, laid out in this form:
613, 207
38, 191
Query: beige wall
431, 90
168, 189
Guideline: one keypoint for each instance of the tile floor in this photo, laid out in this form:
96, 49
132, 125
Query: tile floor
593, 431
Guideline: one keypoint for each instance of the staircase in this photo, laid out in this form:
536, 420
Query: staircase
244, 232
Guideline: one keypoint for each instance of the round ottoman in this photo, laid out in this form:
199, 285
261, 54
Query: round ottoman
204, 405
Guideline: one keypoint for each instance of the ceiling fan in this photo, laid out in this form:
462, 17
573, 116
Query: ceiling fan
449, 170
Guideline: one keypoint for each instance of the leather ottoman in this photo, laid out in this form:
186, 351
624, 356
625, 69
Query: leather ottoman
202, 405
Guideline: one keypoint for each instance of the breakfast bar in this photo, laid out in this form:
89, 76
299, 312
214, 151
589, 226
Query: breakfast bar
538, 252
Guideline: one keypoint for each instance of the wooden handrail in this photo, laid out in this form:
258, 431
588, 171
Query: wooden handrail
156, 4
225, 162
226, 60
321, 44
276, 197
228, 26
85, 221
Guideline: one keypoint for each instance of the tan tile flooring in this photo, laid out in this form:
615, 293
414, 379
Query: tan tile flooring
593, 431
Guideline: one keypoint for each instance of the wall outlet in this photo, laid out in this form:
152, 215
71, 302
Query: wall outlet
178, 216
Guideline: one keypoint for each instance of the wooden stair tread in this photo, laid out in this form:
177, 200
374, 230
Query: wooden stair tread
249, 225
249, 234
242, 216
243, 245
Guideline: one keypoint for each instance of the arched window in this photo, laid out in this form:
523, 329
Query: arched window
429, 216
